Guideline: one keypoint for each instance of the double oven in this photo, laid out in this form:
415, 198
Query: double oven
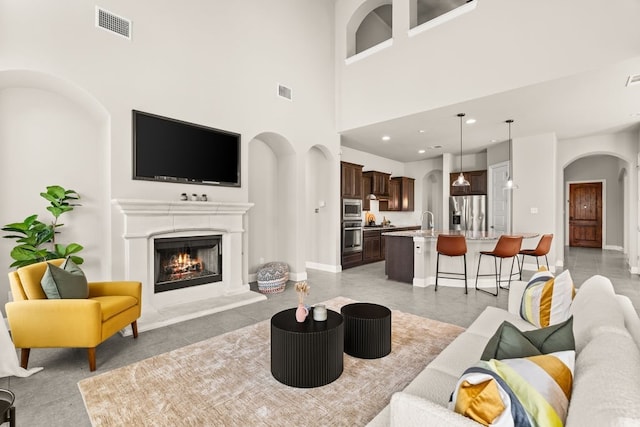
351, 226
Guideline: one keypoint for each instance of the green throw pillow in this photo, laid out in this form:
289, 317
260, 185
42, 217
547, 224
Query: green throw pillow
67, 282
510, 343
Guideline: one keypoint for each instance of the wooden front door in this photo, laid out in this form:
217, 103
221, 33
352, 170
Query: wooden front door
585, 215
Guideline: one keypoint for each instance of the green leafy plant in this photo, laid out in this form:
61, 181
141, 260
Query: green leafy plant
37, 240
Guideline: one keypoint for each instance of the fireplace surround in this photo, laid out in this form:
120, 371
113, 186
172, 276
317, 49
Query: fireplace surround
147, 221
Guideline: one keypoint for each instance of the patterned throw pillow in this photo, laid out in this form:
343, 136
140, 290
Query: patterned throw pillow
530, 391
546, 300
66, 281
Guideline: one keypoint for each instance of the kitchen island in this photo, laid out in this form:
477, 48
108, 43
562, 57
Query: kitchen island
411, 257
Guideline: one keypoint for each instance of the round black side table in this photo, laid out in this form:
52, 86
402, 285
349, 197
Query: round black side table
7, 410
308, 354
367, 330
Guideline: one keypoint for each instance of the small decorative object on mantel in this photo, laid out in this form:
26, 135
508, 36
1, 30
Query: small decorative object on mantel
194, 197
203, 198
302, 288
183, 196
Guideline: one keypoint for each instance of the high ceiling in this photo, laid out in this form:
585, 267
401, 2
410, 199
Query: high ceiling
593, 102
585, 104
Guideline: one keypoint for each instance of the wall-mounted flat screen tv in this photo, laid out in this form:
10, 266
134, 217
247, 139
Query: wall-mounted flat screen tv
171, 150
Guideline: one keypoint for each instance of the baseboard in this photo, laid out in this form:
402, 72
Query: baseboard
324, 267
613, 248
297, 277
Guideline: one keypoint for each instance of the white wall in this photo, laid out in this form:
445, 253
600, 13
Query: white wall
212, 63
47, 139
607, 169
409, 75
534, 166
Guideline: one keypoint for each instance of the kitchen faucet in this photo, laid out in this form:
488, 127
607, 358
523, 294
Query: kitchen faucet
430, 224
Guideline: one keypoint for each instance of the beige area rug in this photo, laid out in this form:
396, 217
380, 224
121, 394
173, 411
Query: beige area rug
226, 381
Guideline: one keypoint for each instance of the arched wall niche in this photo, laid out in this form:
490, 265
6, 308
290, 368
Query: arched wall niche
361, 12
56, 133
320, 210
272, 230
432, 198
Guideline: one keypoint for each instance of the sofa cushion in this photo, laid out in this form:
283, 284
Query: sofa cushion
607, 383
595, 310
514, 391
434, 385
547, 300
509, 342
114, 305
491, 318
67, 281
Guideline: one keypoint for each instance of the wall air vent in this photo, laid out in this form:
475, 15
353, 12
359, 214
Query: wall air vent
113, 23
285, 92
633, 80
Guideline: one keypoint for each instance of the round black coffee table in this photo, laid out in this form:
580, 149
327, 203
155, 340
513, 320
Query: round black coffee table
308, 354
7, 410
367, 330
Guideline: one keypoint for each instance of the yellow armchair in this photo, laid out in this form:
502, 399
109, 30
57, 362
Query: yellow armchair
38, 322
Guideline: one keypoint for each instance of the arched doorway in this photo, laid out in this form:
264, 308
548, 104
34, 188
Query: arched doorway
432, 198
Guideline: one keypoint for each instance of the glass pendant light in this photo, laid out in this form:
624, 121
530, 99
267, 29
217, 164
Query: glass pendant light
461, 181
510, 185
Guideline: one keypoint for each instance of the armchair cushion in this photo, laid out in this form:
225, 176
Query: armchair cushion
66, 282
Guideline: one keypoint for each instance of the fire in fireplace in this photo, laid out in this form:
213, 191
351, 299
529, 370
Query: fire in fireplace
181, 262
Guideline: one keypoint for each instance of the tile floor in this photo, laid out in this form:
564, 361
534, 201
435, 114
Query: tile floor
51, 397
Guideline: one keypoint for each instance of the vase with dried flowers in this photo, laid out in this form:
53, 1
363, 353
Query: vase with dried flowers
302, 289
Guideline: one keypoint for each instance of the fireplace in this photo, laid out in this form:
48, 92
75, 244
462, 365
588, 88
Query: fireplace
181, 262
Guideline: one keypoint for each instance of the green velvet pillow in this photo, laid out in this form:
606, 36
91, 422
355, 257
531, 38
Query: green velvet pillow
67, 282
510, 343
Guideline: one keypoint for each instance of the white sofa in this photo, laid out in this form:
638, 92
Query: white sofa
606, 386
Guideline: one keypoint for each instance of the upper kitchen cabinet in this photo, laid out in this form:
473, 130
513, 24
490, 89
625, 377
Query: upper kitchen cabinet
351, 180
379, 182
477, 181
401, 198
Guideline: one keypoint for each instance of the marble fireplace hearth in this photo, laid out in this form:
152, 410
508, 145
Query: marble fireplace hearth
147, 220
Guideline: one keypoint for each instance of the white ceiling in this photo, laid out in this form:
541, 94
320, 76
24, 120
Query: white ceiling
585, 104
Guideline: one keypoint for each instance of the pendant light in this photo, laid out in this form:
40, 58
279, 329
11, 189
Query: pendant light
510, 184
461, 182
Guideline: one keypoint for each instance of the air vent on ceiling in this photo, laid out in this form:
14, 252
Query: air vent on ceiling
285, 92
113, 23
633, 80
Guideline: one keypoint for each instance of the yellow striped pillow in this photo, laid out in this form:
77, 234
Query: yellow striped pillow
546, 300
526, 391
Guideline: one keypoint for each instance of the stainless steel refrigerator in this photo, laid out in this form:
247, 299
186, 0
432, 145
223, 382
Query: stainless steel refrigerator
468, 213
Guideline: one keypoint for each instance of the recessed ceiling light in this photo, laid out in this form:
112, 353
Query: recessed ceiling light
470, 121
494, 140
422, 151
421, 131
386, 138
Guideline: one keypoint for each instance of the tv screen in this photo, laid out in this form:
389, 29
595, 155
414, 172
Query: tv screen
171, 150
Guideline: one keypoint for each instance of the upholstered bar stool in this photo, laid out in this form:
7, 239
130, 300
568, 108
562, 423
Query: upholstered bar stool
452, 246
543, 248
507, 247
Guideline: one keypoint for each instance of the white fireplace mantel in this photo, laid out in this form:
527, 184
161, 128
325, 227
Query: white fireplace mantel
146, 220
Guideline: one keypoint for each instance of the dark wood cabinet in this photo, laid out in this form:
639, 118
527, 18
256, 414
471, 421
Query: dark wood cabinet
401, 195
477, 181
371, 246
351, 180
378, 181
366, 190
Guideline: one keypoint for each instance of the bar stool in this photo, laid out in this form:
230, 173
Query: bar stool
452, 246
507, 247
543, 248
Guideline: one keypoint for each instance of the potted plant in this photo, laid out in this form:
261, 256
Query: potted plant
37, 240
